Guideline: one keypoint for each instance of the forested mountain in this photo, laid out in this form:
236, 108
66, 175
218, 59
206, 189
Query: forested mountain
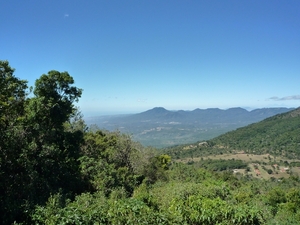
277, 135
159, 127
55, 170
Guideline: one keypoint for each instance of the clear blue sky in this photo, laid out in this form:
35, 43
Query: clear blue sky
133, 55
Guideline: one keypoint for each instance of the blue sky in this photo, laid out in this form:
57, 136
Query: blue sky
130, 56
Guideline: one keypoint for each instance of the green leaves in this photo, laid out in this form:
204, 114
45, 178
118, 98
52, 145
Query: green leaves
37, 154
201, 210
54, 98
12, 96
85, 209
12, 140
57, 86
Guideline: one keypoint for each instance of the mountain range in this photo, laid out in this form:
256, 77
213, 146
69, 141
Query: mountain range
159, 127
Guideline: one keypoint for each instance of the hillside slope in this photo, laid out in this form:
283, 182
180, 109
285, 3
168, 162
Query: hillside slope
278, 135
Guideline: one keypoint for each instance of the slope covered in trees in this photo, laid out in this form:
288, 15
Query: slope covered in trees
278, 135
56, 170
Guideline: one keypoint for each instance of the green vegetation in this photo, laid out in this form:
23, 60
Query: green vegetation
56, 170
278, 135
221, 165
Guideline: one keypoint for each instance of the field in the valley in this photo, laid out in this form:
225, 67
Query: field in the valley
261, 166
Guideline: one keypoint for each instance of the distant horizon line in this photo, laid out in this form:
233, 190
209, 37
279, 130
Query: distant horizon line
249, 109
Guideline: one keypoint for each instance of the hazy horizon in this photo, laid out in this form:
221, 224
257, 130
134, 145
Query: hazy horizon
116, 113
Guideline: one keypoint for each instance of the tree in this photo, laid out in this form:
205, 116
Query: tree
38, 155
156, 168
12, 100
53, 150
111, 160
54, 98
12, 133
270, 171
12, 95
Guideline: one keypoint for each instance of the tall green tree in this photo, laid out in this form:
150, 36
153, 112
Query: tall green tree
38, 152
54, 99
12, 101
12, 95
53, 150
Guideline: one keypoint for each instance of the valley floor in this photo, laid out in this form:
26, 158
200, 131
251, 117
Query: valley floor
263, 166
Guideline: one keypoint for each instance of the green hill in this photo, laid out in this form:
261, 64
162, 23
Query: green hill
278, 135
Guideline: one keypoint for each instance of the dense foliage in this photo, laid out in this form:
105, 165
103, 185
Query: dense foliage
45, 148
55, 170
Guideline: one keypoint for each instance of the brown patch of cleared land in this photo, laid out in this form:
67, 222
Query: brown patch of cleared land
258, 164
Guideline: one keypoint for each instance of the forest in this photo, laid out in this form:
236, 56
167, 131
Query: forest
56, 170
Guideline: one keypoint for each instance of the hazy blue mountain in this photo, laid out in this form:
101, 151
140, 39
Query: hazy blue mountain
160, 127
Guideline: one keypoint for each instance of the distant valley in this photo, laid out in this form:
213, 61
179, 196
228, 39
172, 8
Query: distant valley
159, 127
